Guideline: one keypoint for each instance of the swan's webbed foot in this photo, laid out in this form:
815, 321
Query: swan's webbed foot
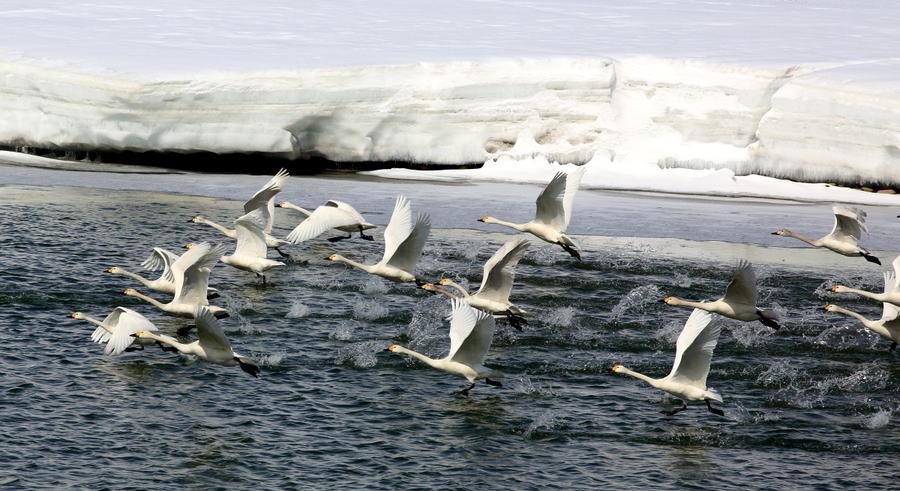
250, 368
871, 258
212, 295
281, 253
572, 251
135, 347
516, 321
714, 410
221, 314
465, 392
184, 331
677, 410
893, 346
338, 239
258, 275
492, 383
163, 347
769, 322
363, 236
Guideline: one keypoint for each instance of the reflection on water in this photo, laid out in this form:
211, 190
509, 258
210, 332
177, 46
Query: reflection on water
332, 407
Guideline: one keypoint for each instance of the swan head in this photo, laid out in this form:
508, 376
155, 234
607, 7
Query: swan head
334, 257
839, 289
428, 287
616, 368
280, 205
782, 232
138, 334
196, 219
486, 219
828, 308
129, 292
392, 347
443, 282
112, 270
188, 245
667, 301
76, 315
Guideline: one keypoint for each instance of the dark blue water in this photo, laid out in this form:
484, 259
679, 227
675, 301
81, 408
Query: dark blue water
809, 406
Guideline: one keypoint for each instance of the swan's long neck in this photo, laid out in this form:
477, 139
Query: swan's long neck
866, 322
221, 228
349, 262
652, 381
152, 301
292, 206
95, 322
874, 296
134, 276
521, 227
458, 287
814, 243
443, 292
162, 338
680, 302
419, 356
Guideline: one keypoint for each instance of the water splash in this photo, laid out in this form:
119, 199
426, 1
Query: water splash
559, 317
270, 359
369, 309
747, 334
683, 280
637, 300
374, 286
669, 332
342, 332
545, 425
298, 310
878, 420
525, 386
359, 355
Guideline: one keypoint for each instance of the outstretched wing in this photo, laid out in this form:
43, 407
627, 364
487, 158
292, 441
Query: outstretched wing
554, 205
471, 333
398, 229
408, 252
500, 270
161, 259
192, 272
323, 218
849, 224
742, 289
694, 349
346, 208
211, 335
251, 241
889, 311
265, 199
127, 323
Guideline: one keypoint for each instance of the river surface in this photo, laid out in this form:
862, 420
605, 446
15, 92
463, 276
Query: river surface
809, 406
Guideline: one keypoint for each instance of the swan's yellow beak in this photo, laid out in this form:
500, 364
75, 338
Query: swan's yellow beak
138, 334
443, 281
279, 205
108, 270
129, 291
331, 257
828, 308
483, 219
188, 245
392, 347
665, 301
74, 315
615, 368
834, 288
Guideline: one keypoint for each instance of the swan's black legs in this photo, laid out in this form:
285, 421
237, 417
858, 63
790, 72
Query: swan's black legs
212, 295
571, 250
221, 315
893, 347
492, 383
261, 276
337, 239
166, 348
676, 410
516, 321
135, 347
465, 392
716, 411
248, 367
183, 331
871, 258
281, 253
363, 236
768, 322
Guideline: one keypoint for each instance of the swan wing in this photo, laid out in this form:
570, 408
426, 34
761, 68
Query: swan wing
265, 198
102, 333
573, 181
471, 333
323, 218
158, 259
550, 210
351, 211
127, 323
694, 349
212, 338
398, 229
407, 254
889, 311
251, 240
849, 224
192, 272
742, 289
500, 270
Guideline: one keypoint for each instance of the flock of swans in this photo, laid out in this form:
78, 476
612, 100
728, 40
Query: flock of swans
473, 316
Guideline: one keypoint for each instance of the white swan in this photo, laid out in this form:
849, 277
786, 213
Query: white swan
250, 252
116, 329
159, 259
211, 346
891, 296
403, 244
333, 214
693, 353
739, 302
264, 200
496, 283
888, 326
849, 224
191, 272
471, 334
554, 211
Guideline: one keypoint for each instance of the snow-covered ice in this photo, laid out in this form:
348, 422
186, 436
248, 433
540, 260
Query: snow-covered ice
693, 97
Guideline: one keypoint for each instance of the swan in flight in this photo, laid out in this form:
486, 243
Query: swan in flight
888, 326
739, 302
333, 214
693, 353
496, 283
116, 330
191, 273
554, 211
211, 346
471, 334
264, 200
891, 296
250, 252
159, 259
849, 224
403, 244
